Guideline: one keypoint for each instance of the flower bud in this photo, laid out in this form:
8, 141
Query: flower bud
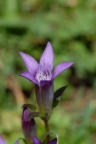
28, 126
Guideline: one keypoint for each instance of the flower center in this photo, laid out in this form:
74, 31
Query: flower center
43, 73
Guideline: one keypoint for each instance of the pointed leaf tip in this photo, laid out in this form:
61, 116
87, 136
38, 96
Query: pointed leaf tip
59, 92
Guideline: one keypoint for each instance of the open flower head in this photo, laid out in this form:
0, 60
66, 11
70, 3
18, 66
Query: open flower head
41, 73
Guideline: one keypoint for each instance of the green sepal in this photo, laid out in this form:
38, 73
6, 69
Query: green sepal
32, 115
57, 96
24, 140
31, 107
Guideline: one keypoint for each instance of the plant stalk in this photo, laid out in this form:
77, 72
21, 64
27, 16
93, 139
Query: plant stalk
47, 130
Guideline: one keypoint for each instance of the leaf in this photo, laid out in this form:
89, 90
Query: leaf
55, 103
32, 115
57, 95
59, 92
30, 106
17, 142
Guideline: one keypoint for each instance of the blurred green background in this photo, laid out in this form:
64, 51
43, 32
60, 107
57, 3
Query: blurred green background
70, 26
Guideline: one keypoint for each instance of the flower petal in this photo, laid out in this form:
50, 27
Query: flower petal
36, 141
45, 82
30, 62
47, 56
2, 140
17, 142
61, 67
54, 141
28, 76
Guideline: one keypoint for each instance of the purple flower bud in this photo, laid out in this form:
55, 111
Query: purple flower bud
28, 126
2, 140
37, 141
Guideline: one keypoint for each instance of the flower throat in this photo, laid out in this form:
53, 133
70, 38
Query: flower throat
43, 73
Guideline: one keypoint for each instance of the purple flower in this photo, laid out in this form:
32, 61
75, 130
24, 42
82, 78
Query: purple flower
2, 140
41, 73
28, 126
17, 142
37, 141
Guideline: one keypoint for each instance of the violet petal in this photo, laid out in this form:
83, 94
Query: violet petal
17, 142
61, 67
30, 62
28, 76
36, 141
54, 141
47, 56
2, 140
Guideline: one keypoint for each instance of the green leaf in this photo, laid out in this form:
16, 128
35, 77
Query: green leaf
57, 95
30, 106
59, 92
33, 114
17, 142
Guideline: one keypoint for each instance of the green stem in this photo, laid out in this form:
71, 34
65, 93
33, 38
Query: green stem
47, 130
